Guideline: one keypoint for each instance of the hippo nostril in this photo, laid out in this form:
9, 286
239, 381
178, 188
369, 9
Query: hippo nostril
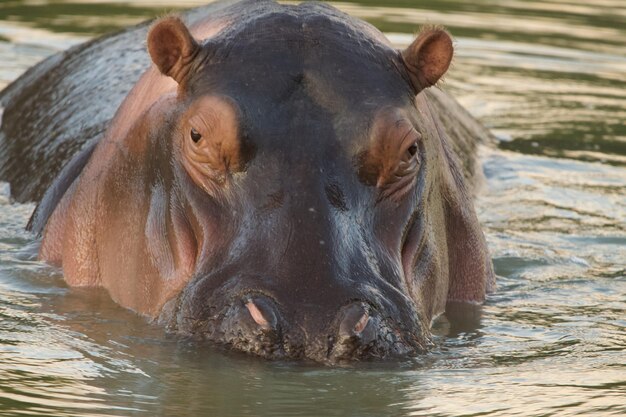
356, 318
257, 316
360, 325
262, 313
252, 323
357, 333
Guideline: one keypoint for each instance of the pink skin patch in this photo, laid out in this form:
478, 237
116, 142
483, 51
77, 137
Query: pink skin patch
257, 316
360, 325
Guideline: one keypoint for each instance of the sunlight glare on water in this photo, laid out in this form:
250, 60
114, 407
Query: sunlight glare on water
548, 77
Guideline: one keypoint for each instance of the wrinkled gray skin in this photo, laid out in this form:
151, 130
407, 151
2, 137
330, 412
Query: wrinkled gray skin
333, 266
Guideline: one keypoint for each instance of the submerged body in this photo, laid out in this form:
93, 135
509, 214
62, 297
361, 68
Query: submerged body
282, 181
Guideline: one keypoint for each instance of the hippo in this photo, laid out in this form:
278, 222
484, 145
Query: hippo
277, 179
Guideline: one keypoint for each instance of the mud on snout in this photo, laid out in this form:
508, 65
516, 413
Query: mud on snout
258, 324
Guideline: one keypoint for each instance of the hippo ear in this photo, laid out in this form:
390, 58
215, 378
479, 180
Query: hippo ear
428, 57
172, 48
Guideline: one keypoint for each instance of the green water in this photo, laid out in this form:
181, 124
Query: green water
549, 78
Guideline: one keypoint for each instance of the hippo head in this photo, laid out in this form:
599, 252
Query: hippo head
301, 184
322, 202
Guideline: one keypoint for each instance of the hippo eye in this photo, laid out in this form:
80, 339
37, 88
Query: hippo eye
195, 135
412, 149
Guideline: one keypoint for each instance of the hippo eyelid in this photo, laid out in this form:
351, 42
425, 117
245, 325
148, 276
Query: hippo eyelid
206, 122
400, 122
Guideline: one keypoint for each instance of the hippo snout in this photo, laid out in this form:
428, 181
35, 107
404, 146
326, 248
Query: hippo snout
363, 333
257, 324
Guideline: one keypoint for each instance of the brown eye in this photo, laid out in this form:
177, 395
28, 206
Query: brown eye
195, 136
412, 150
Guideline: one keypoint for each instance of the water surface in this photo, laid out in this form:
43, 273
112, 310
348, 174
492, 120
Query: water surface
548, 77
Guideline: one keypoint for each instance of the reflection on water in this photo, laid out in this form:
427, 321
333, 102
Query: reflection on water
548, 77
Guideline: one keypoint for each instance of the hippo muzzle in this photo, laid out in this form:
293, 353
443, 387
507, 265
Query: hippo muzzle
257, 323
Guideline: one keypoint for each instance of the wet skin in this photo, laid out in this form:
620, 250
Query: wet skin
280, 181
